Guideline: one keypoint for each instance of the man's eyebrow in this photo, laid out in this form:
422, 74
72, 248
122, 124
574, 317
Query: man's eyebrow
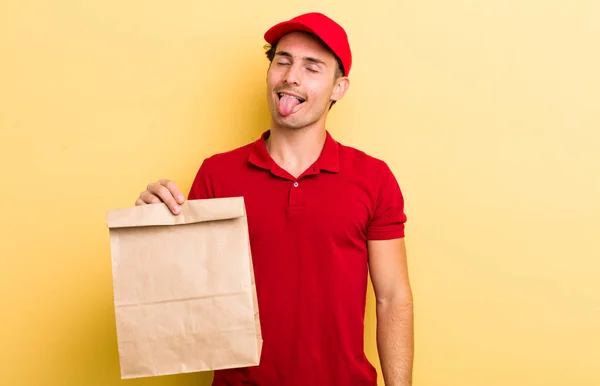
307, 58
284, 53
315, 60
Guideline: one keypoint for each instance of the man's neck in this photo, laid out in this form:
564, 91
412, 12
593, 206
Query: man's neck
296, 150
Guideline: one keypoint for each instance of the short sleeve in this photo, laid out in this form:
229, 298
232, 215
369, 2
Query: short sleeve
388, 217
201, 186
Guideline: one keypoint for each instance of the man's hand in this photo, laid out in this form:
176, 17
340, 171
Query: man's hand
162, 191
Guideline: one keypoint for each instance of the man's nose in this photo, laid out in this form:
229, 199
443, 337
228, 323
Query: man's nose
293, 74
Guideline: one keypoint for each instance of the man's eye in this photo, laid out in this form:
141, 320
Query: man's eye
312, 69
283, 63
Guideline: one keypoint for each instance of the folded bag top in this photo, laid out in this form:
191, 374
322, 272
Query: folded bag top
191, 212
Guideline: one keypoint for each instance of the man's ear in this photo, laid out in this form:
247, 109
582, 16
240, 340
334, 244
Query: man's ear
340, 88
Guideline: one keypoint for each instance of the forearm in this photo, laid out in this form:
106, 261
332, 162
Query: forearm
395, 342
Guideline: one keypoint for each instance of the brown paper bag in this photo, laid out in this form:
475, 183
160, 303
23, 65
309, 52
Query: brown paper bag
184, 291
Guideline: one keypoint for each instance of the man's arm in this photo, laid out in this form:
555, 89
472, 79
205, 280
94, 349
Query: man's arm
395, 338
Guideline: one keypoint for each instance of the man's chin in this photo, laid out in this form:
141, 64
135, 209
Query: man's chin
288, 122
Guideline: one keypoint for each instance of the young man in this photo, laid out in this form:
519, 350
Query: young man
321, 215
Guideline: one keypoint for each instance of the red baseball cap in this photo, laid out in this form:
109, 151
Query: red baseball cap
330, 32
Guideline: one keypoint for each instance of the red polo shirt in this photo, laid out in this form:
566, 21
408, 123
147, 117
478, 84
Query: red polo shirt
308, 238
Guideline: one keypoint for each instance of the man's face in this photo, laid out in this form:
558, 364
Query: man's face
301, 81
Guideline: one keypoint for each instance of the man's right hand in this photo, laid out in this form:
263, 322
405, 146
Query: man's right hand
162, 191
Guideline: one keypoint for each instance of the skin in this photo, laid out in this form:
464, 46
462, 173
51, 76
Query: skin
304, 67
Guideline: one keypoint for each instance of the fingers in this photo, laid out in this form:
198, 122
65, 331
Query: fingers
162, 191
175, 192
148, 198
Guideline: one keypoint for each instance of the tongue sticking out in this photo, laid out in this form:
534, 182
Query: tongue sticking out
287, 104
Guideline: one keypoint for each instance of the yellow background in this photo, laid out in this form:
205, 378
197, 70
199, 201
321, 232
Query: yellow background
487, 111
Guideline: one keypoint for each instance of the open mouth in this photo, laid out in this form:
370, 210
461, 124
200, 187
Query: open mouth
281, 94
288, 103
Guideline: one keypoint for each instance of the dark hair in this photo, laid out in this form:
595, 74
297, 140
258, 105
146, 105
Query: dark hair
270, 53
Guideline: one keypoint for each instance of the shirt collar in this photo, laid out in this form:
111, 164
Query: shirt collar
328, 160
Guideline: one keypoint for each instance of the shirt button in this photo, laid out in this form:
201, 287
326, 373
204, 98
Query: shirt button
295, 184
